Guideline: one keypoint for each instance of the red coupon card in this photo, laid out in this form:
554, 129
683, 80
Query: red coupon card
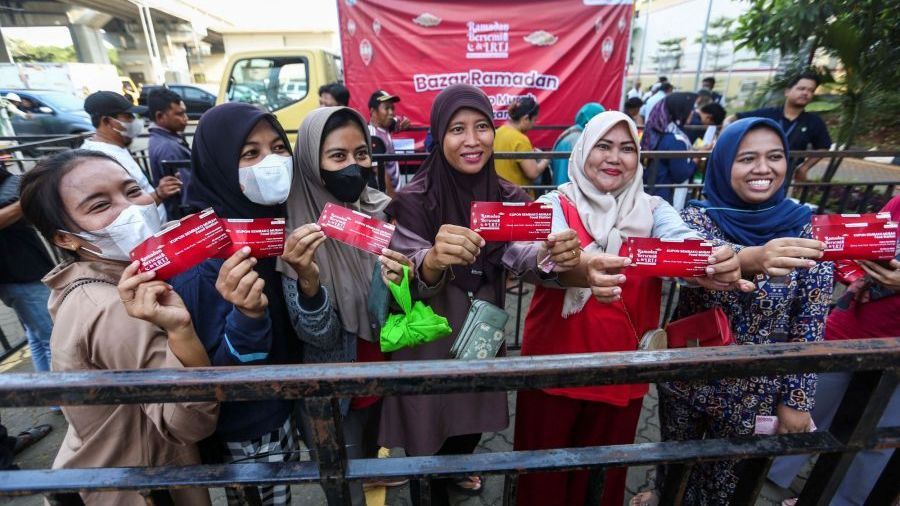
355, 228
685, 258
843, 219
858, 241
265, 236
512, 221
182, 245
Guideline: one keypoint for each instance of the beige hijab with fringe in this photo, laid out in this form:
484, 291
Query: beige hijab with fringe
609, 217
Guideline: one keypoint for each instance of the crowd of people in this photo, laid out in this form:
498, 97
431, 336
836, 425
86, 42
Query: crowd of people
309, 305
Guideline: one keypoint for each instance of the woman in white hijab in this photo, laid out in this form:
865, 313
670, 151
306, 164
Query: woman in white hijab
595, 307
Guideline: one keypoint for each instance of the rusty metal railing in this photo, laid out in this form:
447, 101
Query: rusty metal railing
874, 364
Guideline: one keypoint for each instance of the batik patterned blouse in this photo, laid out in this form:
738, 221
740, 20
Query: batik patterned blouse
788, 309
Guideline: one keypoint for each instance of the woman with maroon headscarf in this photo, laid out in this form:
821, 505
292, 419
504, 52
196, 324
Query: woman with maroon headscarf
454, 264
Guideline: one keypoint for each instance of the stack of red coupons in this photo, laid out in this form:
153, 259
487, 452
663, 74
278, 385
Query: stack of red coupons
355, 228
182, 245
265, 236
856, 236
686, 258
201, 236
511, 221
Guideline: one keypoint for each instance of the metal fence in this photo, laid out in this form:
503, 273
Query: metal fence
874, 364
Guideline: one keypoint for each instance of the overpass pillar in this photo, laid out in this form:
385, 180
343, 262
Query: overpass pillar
88, 44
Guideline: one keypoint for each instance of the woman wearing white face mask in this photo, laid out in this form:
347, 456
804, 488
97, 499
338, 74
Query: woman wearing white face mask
242, 167
88, 205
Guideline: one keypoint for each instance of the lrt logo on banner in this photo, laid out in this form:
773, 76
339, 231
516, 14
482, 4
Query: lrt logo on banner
487, 40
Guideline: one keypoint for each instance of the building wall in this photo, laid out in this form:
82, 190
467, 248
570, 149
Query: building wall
685, 19
237, 42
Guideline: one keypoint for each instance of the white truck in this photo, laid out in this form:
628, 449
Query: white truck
79, 79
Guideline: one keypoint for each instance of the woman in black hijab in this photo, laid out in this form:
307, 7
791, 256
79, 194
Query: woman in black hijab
452, 263
242, 167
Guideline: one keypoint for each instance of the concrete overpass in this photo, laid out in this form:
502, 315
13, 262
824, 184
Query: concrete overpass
156, 40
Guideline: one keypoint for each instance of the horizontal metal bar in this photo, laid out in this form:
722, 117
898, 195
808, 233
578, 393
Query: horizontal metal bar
47, 142
442, 376
538, 155
809, 184
566, 459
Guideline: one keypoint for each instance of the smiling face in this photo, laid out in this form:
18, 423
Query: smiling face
469, 141
93, 194
613, 160
759, 167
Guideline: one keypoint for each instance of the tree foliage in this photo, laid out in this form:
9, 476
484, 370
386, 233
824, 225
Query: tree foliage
668, 55
863, 35
720, 43
23, 52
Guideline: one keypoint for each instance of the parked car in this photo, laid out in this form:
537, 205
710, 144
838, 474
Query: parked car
196, 99
51, 112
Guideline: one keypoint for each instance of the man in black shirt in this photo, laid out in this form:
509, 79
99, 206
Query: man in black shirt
24, 260
804, 130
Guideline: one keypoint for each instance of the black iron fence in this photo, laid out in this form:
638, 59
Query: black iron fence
874, 364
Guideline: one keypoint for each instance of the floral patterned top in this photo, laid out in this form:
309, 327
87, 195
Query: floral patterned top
787, 309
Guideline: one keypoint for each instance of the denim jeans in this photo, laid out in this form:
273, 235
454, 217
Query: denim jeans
29, 301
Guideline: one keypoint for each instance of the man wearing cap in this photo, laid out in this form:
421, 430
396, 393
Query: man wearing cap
382, 122
9, 106
114, 117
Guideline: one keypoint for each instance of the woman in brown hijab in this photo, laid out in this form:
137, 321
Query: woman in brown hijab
453, 264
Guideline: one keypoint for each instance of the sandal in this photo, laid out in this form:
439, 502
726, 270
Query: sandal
646, 498
470, 486
31, 436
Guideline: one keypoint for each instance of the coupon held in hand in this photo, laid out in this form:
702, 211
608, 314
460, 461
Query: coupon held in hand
873, 240
686, 258
182, 245
511, 221
819, 220
355, 228
264, 236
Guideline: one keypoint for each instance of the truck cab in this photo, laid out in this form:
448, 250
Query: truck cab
282, 81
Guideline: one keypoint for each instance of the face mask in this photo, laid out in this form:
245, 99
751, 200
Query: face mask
348, 183
132, 129
268, 183
115, 241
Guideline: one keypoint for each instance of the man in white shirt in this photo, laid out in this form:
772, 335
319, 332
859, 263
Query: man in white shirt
664, 90
115, 119
636, 91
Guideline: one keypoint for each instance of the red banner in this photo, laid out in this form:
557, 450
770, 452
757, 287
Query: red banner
564, 53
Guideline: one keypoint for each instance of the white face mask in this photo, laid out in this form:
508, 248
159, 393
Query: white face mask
268, 183
115, 241
132, 128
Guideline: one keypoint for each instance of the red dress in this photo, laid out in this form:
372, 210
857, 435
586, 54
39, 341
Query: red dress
582, 416
596, 328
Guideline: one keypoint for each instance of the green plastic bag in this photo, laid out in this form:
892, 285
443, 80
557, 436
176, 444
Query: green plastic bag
418, 324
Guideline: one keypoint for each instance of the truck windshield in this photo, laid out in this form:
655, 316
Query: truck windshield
273, 82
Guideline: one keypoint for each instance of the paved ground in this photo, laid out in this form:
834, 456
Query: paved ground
42, 454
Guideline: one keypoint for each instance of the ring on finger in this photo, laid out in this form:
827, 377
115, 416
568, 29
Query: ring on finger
129, 301
574, 253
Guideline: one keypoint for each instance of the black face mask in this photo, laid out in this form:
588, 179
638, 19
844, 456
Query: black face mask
348, 183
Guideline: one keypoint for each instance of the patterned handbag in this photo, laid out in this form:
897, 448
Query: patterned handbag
482, 333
